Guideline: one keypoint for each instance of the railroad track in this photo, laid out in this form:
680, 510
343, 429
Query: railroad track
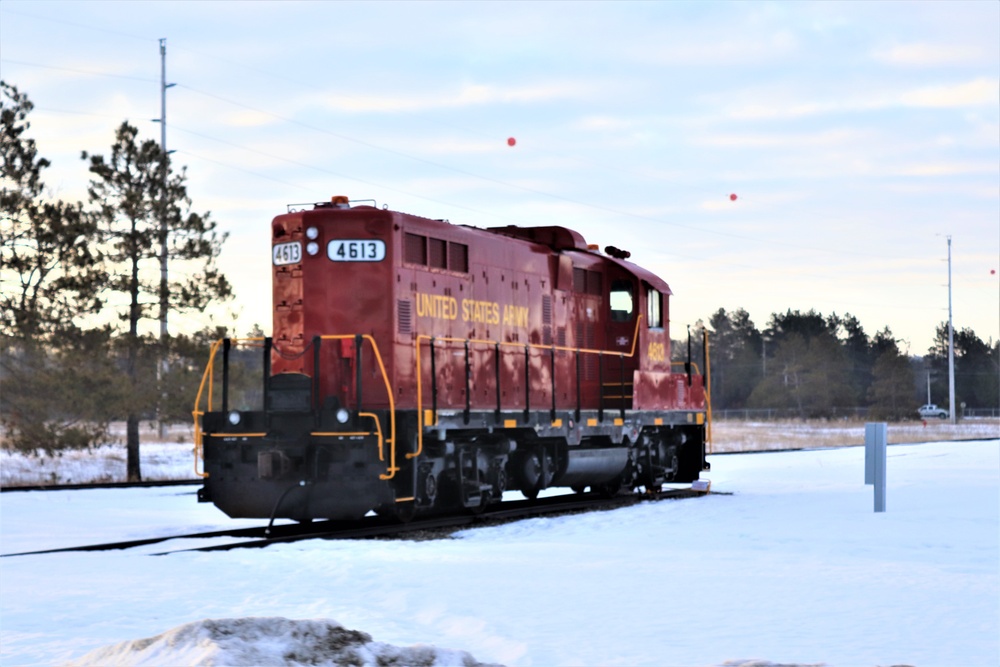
379, 527
102, 485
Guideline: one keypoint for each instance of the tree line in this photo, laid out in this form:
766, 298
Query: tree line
68, 265
813, 365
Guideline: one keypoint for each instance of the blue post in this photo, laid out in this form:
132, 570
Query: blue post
876, 438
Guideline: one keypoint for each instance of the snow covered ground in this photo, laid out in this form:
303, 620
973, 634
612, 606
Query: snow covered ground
794, 568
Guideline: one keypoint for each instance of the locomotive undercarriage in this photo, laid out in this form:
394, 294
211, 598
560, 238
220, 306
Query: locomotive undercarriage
308, 464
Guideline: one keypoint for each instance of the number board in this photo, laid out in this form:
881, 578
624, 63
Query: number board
354, 250
286, 253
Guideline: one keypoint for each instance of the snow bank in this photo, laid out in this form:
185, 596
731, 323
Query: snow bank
269, 641
290, 643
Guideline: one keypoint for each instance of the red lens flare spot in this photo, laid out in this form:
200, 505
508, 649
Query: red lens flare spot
511, 141
732, 197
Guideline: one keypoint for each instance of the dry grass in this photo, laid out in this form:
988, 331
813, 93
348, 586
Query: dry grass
149, 432
731, 435
742, 436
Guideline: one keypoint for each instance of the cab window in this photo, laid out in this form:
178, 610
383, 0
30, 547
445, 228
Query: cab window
654, 308
622, 300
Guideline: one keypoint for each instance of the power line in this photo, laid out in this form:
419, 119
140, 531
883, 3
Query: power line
77, 71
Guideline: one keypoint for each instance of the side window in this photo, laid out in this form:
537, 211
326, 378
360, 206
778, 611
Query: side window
654, 308
622, 300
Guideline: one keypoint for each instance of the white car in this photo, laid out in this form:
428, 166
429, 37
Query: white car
930, 410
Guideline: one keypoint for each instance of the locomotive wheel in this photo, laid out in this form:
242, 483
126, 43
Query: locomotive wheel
402, 512
610, 489
405, 512
500, 486
481, 507
430, 488
534, 476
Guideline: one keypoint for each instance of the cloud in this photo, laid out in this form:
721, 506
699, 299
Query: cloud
776, 105
250, 118
950, 169
467, 95
924, 54
836, 137
711, 52
604, 123
972, 93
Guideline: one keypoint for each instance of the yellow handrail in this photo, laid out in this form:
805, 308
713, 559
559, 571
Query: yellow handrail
707, 382
694, 365
476, 341
392, 470
207, 378
341, 434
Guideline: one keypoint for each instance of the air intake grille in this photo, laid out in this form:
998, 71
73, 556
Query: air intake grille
404, 316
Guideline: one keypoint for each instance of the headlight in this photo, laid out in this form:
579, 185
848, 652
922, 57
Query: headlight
235, 418
312, 233
312, 247
343, 415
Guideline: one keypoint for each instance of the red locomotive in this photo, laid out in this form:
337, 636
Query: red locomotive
417, 365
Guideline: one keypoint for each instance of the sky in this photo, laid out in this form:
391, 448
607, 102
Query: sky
857, 137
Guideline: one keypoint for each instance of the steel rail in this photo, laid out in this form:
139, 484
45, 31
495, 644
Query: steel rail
500, 513
88, 486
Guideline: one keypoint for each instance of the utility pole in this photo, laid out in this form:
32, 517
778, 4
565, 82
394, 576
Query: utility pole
164, 229
951, 347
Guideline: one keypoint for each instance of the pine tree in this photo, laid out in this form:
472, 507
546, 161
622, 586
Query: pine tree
891, 391
736, 365
51, 278
51, 273
138, 198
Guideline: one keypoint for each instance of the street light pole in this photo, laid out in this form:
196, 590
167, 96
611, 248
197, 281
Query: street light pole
164, 285
951, 347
